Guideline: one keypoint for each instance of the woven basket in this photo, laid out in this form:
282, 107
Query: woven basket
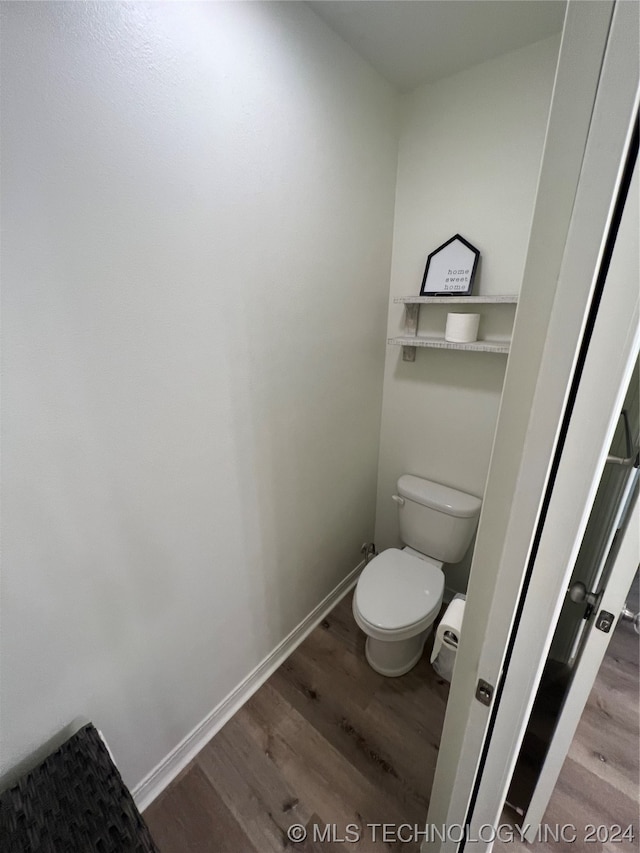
74, 802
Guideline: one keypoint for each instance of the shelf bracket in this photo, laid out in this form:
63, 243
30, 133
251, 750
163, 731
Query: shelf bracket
411, 314
409, 353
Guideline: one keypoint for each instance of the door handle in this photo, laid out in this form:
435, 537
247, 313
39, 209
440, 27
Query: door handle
627, 615
578, 593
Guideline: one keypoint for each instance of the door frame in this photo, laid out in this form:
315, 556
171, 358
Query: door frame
589, 132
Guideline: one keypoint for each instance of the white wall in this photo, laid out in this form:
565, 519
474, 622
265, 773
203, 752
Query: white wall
197, 222
470, 150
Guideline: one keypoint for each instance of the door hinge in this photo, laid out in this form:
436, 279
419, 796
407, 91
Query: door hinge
484, 692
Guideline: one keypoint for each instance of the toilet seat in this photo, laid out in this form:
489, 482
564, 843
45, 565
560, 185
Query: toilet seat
398, 595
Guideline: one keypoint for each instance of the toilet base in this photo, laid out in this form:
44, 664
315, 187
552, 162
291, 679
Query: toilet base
394, 658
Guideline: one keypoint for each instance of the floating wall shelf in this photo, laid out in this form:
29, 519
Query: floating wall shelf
460, 300
411, 340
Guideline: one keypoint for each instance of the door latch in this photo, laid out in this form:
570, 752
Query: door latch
484, 692
604, 621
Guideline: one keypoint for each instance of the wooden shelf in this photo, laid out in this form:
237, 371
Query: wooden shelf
410, 341
413, 341
459, 300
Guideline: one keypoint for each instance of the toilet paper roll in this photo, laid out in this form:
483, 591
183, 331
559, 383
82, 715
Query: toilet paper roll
462, 328
448, 631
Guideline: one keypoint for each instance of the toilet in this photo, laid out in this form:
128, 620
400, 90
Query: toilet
399, 593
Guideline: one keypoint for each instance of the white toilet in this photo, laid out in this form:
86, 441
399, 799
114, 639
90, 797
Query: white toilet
399, 593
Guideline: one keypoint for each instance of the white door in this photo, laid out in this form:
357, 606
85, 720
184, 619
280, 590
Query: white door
616, 578
574, 346
605, 521
608, 362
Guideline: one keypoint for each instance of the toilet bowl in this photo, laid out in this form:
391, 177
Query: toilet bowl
396, 601
399, 593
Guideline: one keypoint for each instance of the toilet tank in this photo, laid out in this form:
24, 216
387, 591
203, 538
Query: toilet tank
436, 520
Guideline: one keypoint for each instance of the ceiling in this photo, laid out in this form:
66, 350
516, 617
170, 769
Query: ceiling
410, 42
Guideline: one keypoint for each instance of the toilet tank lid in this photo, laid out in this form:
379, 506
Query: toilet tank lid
436, 496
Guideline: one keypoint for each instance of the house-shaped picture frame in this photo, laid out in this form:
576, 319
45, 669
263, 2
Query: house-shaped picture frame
451, 269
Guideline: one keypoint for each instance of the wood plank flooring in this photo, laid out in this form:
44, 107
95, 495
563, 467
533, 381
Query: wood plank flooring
600, 780
328, 741
325, 740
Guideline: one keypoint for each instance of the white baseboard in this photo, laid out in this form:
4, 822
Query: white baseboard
157, 780
450, 594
